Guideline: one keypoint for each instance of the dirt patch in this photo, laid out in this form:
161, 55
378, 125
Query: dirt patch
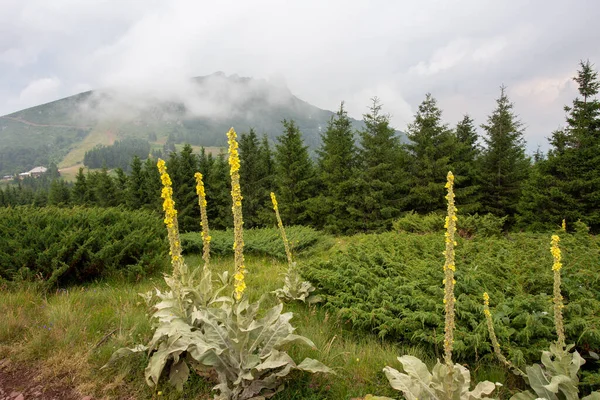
22, 382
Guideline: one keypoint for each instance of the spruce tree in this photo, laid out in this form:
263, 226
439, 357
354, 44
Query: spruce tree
266, 182
152, 186
465, 164
430, 150
504, 165
185, 192
134, 195
566, 185
250, 177
338, 168
294, 175
218, 197
80, 189
382, 182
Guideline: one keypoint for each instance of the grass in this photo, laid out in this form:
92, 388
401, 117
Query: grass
72, 332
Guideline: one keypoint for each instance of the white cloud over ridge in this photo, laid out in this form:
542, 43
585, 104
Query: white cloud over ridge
459, 51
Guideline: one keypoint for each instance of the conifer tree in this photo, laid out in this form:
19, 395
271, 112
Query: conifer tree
104, 189
152, 186
251, 173
80, 189
59, 193
504, 165
430, 150
218, 188
383, 178
465, 165
266, 182
338, 167
294, 175
185, 191
135, 197
566, 185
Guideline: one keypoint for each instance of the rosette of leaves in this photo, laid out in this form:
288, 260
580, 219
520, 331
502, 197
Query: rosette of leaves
176, 342
296, 289
557, 377
419, 383
247, 351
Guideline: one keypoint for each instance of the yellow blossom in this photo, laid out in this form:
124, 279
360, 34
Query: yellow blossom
203, 219
557, 298
238, 222
449, 269
170, 220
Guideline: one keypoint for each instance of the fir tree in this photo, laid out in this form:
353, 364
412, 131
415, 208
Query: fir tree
383, 179
185, 191
152, 186
251, 173
504, 165
430, 149
338, 167
566, 185
466, 166
294, 175
80, 189
135, 197
218, 188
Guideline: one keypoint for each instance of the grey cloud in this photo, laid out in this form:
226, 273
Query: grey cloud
460, 51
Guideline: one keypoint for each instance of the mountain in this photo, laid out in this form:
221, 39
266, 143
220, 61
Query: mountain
198, 111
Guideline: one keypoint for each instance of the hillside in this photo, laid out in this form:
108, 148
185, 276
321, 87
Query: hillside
197, 111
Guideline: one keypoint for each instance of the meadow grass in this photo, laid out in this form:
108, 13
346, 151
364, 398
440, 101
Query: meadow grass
70, 333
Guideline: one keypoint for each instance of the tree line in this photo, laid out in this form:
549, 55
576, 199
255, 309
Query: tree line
362, 181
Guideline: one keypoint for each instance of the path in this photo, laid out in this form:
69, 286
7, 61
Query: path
44, 125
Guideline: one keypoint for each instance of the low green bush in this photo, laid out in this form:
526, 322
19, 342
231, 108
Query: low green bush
62, 246
468, 225
265, 241
390, 284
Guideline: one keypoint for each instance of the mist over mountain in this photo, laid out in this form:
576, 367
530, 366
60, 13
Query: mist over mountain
197, 111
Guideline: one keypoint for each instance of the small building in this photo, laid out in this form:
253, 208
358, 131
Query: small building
37, 171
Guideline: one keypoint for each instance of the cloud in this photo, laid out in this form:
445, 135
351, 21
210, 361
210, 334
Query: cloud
327, 51
41, 90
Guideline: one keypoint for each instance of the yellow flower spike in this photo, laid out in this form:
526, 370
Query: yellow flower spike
170, 221
563, 226
203, 219
238, 222
449, 269
557, 298
286, 243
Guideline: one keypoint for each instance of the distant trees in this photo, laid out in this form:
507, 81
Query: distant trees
361, 180
118, 155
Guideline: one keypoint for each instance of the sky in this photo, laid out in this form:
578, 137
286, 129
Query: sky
459, 51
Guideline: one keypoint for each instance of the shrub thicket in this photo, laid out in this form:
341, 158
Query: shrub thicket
64, 246
265, 241
390, 284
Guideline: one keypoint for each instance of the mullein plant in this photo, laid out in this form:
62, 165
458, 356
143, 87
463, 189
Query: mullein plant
446, 380
557, 377
199, 328
294, 288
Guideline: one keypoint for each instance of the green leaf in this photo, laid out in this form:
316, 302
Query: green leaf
526, 395
123, 352
310, 365
538, 382
179, 374
415, 368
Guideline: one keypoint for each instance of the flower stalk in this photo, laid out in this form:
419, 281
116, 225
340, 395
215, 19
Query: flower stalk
558, 298
203, 219
179, 267
449, 268
286, 243
236, 196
